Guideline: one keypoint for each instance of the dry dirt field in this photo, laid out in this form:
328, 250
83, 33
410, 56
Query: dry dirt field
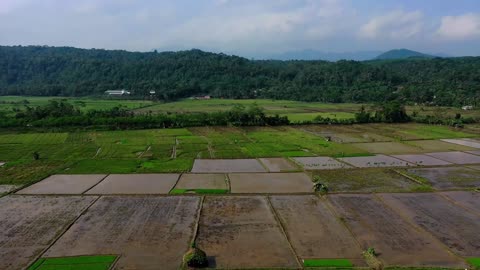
242, 232
366, 180
310, 225
29, 224
64, 184
467, 199
278, 164
397, 242
456, 157
147, 232
422, 160
227, 166
202, 181
135, 184
270, 183
449, 177
453, 226
320, 163
376, 161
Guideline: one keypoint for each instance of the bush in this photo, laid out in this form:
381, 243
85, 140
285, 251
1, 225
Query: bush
196, 258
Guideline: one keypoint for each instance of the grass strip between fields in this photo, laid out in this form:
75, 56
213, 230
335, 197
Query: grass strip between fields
327, 263
475, 262
199, 191
100, 262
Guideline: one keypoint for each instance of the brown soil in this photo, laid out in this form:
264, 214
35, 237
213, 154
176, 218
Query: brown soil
227, 165
396, 241
456, 228
376, 161
437, 146
63, 184
202, 181
270, 183
466, 199
147, 232
449, 177
29, 224
456, 157
310, 225
278, 164
422, 160
136, 184
320, 163
241, 232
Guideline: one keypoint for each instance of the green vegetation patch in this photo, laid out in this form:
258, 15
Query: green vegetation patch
199, 191
475, 262
166, 165
327, 263
100, 262
89, 166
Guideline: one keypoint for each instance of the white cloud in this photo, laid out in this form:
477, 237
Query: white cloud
395, 25
460, 27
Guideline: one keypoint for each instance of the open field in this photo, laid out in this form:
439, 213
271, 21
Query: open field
396, 241
448, 177
135, 184
452, 225
308, 221
147, 232
29, 224
241, 232
270, 183
469, 200
64, 184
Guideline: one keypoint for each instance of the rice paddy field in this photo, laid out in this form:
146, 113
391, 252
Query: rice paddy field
398, 196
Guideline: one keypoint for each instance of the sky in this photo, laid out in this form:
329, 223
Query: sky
245, 27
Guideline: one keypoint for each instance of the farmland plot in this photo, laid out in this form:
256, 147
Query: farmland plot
64, 184
202, 182
465, 142
29, 224
437, 146
449, 177
135, 184
270, 183
422, 160
375, 161
320, 163
278, 164
227, 166
387, 148
453, 226
366, 180
466, 199
456, 157
147, 232
397, 242
308, 222
241, 232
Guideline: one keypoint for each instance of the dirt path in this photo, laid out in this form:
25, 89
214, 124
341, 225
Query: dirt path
148, 149
98, 152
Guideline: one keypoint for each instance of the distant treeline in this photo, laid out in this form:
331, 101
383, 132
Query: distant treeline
64, 71
62, 114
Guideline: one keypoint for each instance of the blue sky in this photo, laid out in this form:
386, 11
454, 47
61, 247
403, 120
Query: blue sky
245, 27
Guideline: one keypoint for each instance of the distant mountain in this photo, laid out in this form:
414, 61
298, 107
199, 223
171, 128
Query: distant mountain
402, 54
326, 56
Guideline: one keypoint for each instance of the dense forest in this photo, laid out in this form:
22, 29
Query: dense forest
64, 71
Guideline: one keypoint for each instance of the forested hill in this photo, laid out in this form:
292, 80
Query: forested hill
52, 71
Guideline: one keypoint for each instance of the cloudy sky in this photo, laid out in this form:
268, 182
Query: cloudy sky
245, 27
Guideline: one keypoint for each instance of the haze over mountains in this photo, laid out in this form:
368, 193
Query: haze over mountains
310, 54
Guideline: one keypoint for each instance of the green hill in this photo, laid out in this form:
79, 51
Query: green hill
402, 54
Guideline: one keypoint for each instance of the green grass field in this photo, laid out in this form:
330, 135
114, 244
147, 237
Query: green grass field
99, 262
475, 262
343, 263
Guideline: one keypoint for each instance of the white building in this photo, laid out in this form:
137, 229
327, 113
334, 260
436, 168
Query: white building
466, 108
122, 92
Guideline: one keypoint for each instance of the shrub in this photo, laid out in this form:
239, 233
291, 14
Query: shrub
195, 258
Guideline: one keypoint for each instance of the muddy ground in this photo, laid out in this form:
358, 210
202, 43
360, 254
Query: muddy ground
314, 231
278, 164
241, 232
456, 228
457, 157
422, 160
449, 177
64, 184
227, 166
397, 241
270, 183
366, 180
437, 146
147, 232
467, 199
320, 163
464, 142
136, 184
387, 148
376, 161
29, 224
202, 181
